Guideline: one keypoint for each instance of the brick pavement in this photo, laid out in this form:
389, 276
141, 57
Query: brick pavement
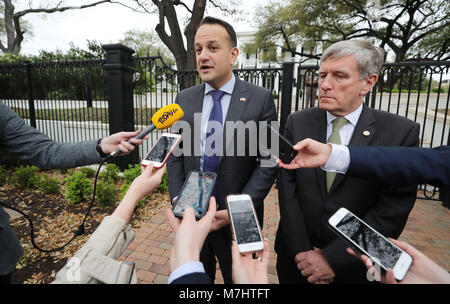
427, 229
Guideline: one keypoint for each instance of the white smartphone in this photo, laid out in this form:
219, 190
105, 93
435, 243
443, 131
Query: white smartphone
364, 239
161, 150
244, 223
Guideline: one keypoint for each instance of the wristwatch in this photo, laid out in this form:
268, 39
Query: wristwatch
99, 149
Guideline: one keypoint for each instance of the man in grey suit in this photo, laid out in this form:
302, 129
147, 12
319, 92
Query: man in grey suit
308, 251
30, 145
216, 53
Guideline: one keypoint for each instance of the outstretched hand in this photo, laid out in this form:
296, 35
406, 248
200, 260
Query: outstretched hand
120, 140
311, 154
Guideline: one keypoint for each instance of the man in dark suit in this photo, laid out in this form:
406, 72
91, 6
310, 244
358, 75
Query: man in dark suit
307, 250
224, 100
388, 165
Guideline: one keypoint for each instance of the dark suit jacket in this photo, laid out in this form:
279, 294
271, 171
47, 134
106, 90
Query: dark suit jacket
193, 278
401, 166
305, 205
236, 174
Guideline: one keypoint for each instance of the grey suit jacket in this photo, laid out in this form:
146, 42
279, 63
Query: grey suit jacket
28, 144
306, 206
236, 174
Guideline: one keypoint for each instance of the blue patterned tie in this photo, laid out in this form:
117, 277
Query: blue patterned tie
211, 160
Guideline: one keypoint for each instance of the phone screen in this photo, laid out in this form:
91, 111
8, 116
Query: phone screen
244, 222
376, 246
196, 193
161, 149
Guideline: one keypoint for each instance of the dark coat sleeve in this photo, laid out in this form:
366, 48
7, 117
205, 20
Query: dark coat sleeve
400, 165
28, 144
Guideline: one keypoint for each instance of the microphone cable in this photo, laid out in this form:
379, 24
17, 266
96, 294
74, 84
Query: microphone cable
80, 229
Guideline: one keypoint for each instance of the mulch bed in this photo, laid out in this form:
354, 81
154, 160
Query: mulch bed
54, 220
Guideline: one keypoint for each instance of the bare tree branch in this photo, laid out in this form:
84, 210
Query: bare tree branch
57, 8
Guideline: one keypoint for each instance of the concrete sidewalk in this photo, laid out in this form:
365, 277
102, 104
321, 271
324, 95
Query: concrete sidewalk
428, 229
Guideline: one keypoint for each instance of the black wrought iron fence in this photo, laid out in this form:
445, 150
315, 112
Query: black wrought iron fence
78, 100
416, 90
65, 100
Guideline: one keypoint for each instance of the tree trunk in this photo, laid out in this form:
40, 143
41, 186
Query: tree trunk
14, 34
184, 56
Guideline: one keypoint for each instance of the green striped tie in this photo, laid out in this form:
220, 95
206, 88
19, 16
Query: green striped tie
335, 138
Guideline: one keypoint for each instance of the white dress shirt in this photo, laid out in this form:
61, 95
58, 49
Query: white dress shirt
187, 268
339, 159
208, 104
340, 156
346, 131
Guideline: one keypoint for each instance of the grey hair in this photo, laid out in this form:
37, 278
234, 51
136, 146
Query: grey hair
370, 58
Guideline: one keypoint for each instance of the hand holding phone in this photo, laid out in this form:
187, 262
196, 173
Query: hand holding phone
244, 223
189, 234
195, 193
365, 240
161, 150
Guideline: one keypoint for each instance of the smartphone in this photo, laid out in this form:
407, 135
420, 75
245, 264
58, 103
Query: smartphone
364, 239
161, 150
244, 223
286, 150
195, 193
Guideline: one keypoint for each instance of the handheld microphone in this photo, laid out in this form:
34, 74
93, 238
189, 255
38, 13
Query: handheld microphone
164, 118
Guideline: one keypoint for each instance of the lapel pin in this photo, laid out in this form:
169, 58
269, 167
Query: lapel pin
366, 133
242, 99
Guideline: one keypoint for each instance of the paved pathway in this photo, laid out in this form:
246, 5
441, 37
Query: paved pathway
427, 229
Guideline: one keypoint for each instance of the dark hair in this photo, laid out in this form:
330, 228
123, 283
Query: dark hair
226, 25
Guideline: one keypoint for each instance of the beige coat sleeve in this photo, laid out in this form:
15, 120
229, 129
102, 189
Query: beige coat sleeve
96, 262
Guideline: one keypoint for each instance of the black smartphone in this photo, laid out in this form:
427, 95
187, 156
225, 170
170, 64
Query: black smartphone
285, 149
195, 193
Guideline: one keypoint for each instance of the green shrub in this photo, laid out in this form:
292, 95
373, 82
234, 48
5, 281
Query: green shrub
111, 172
49, 185
3, 175
78, 187
63, 170
436, 90
24, 177
131, 173
163, 187
106, 194
89, 172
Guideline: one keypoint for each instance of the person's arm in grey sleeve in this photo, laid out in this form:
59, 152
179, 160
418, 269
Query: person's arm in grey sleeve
28, 144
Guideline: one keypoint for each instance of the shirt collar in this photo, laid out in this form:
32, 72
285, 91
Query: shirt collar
227, 88
352, 117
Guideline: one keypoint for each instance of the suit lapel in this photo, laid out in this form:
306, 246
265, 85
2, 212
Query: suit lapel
197, 107
364, 131
235, 110
320, 134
